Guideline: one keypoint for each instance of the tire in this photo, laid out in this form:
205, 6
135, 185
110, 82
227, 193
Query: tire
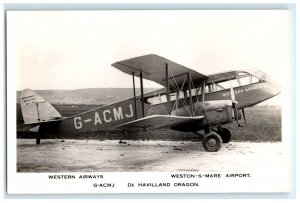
225, 134
212, 142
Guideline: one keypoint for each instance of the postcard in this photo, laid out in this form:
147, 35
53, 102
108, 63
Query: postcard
148, 101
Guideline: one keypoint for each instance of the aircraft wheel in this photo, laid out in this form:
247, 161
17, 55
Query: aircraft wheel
225, 134
38, 140
212, 142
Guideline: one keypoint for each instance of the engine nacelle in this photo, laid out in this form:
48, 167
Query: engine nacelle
216, 113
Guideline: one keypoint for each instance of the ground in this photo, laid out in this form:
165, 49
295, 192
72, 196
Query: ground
57, 155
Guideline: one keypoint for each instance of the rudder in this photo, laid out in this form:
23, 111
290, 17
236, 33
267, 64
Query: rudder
36, 109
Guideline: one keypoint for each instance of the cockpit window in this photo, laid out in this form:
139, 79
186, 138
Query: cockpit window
260, 74
246, 79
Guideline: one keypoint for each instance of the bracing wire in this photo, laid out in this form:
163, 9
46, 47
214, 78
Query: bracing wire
178, 90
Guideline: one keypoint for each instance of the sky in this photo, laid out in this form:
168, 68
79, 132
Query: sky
75, 49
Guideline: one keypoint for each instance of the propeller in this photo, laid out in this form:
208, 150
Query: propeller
234, 103
244, 116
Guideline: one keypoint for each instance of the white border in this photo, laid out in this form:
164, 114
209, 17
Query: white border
13, 102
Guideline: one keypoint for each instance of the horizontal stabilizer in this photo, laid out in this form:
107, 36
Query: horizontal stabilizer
158, 121
28, 126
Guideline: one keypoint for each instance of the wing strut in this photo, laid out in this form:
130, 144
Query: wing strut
168, 90
190, 94
203, 92
142, 94
134, 96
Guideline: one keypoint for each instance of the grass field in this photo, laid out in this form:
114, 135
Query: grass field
263, 124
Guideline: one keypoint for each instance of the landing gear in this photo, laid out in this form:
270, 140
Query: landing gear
213, 138
225, 134
212, 142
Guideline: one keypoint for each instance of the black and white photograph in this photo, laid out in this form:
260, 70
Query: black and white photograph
139, 101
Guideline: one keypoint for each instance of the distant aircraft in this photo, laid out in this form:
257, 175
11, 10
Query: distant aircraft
190, 102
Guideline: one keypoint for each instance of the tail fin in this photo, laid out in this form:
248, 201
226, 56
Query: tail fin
36, 109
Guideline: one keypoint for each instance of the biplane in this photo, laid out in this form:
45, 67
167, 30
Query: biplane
189, 102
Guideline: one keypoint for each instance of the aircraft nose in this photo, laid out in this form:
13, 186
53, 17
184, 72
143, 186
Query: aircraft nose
276, 88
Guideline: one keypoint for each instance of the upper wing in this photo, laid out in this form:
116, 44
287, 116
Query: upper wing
158, 121
153, 68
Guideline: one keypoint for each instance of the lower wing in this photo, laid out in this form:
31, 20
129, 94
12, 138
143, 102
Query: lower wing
158, 121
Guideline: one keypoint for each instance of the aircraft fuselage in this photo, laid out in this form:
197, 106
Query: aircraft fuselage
112, 115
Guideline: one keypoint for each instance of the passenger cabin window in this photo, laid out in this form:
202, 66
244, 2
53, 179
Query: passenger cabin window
241, 79
194, 91
162, 98
156, 99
